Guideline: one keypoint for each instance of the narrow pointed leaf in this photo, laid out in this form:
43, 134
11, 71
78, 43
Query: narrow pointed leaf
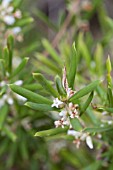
51, 51
29, 94
76, 124
51, 132
3, 114
110, 96
20, 67
40, 107
10, 44
59, 86
45, 84
98, 129
73, 67
89, 88
88, 101
10, 134
6, 56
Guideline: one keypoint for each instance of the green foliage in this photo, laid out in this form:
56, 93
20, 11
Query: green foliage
57, 106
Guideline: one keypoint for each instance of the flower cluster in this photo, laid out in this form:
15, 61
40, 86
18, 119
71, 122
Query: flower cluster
68, 111
7, 98
8, 16
80, 136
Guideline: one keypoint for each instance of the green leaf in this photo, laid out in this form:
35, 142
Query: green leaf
24, 21
51, 51
3, 90
108, 65
51, 132
48, 62
98, 59
29, 94
108, 109
59, 86
88, 101
3, 115
33, 87
89, 88
98, 129
110, 96
20, 67
39, 107
45, 84
9, 133
83, 50
76, 124
6, 56
10, 44
73, 67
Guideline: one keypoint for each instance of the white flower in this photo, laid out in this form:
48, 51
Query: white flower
18, 83
3, 83
10, 101
72, 110
57, 103
16, 30
18, 14
73, 114
62, 122
89, 142
9, 20
74, 133
5, 3
80, 136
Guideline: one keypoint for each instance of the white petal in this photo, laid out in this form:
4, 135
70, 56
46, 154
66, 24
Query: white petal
5, 3
74, 133
18, 83
89, 142
16, 30
9, 20
10, 101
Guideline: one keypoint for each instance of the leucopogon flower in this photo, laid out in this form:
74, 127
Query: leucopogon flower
8, 16
80, 136
68, 111
7, 98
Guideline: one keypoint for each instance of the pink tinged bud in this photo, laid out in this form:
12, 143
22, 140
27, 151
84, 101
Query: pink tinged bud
18, 14
89, 142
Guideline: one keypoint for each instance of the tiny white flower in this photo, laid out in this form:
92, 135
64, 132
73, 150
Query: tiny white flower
5, 3
89, 142
9, 20
104, 113
10, 101
10, 9
59, 123
74, 133
3, 83
57, 103
16, 30
18, 14
110, 122
2, 102
18, 83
